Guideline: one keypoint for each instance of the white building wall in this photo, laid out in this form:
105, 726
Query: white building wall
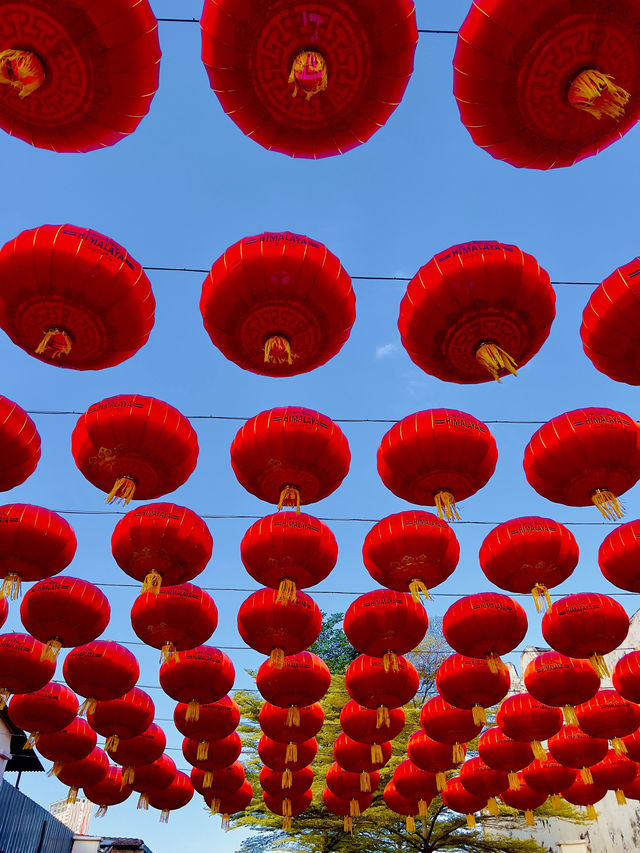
5, 746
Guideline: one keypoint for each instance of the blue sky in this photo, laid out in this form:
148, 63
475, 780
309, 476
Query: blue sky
187, 185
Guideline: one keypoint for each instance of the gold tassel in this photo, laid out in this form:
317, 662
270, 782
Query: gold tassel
57, 767
51, 650
514, 782
586, 775
441, 780
286, 807
11, 586
164, 816
207, 782
32, 740
287, 823
348, 824
390, 662
591, 812
354, 808
112, 742
382, 717
167, 652
4, 697
276, 658
417, 588
556, 802
494, 359
202, 752
620, 797
570, 716
87, 707
293, 715
277, 350
72, 796
291, 753
458, 753
446, 505
193, 711
22, 70
423, 808
597, 94
608, 504
215, 805
479, 715
309, 74
529, 818
49, 337
377, 756
410, 823
365, 782
289, 496
600, 665
128, 776
143, 801
538, 749
123, 490
102, 811
492, 805
152, 582
619, 746
471, 821
226, 822
540, 593
287, 779
494, 663
286, 591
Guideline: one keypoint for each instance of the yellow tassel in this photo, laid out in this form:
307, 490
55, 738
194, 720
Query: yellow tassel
570, 716
164, 816
479, 715
215, 805
128, 776
390, 662
58, 348
277, 350
289, 496
514, 782
207, 782
354, 808
458, 753
620, 797
410, 823
608, 504
293, 715
87, 707
276, 658
423, 808
597, 94
202, 752
286, 591
291, 753
152, 582
446, 505
167, 652
600, 665
494, 663
309, 74
556, 802
365, 782
226, 822
143, 801
538, 749
286, 807
471, 821
287, 823
112, 743
102, 811
31, 741
123, 490
417, 588
4, 697
540, 594
51, 650
619, 746
22, 70
382, 717
348, 824
492, 806
72, 796
494, 359
57, 767
441, 780
377, 756
287, 779
529, 818
11, 586
193, 711
586, 775
592, 814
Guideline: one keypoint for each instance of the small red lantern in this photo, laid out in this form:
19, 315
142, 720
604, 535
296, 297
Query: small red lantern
224, 781
109, 791
632, 744
302, 680
137, 751
369, 683
24, 666
501, 753
619, 554
362, 724
272, 781
437, 457
524, 798
483, 781
153, 777
456, 797
523, 718
609, 716
472, 684
356, 758
176, 795
280, 757
549, 777
197, 677
126, 717
433, 756
234, 802
288, 806
414, 783
574, 748
216, 720
275, 723
72, 743
632, 790
407, 806
582, 793
626, 677
562, 682
614, 773
100, 670
84, 773
19, 443
446, 724
222, 753
4, 610
50, 709
344, 808
348, 785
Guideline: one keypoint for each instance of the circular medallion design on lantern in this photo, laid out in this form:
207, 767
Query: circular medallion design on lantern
310, 79
19, 445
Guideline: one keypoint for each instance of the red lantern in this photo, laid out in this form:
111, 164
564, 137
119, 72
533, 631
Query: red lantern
523, 718
524, 798
287, 552
614, 772
549, 85
234, 802
501, 753
200, 676
562, 682
302, 680
84, 773
356, 758
483, 781
619, 554
161, 544
456, 797
176, 795
64, 612
549, 777
324, 93
109, 791
472, 684
272, 781
223, 752
72, 743
369, 683
279, 756
585, 456
177, 618
4, 610
626, 677
348, 785
411, 551
134, 446
409, 807
289, 455
344, 808
632, 790
632, 745
35, 543
446, 724
137, 751
362, 724
278, 628
216, 720
50, 709
153, 777
278, 304
574, 748
586, 625
224, 782
63, 65
126, 717
485, 625
436, 458
529, 554
609, 716
415, 784
19, 443
582, 793
433, 756
24, 666
74, 298
476, 311
288, 806
100, 670
275, 724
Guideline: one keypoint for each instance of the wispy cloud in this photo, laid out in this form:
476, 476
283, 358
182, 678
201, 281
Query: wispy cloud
387, 349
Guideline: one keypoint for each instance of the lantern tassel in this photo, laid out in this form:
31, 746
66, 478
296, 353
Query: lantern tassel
72, 796
167, 652
192, 713
102, 811
286, 591
51, 650
287, 779
226, 822
164, 816
291, 753
112, 743
32, 740
5, 693
152, 582
348, 824
479, 715
492, 806
287, 823
289, 496
529, 818
59, 342
592, 814
390, 662
586, 775
215, 805
207, 781
308, 74
410, 823
538, 749
540, 594
423, 808
21, 70
494, 663
287, 811
365, 782
354, 808
441, 780
418, 588
514, 782
123, 490
556, 802
600, 665
382, 717
570, 716
202, 752
471, 821
277, 350
87, 707
458, 753
619, 746
293, 715
377, 756
494, 359
608, 504
57, 767
620, 797
143, 801
446, 505
597, 94
11, 586
276, 658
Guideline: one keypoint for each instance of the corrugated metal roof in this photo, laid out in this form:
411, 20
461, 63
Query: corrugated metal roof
25, 827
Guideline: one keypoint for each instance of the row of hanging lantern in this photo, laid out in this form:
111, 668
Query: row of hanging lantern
281, 304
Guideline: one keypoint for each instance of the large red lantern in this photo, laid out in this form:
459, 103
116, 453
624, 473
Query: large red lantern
278, 628
356, 758
109, 791
437, 457
582, 793
574, 748
225, 781
626, 677
161, 544
548, 85
416, 784
371, 684
137, 751
176, 795
287, 552
278, 304
483, 781
313, 81
609, 716
549, 777
472, 684
64, 612
619, 556
476, 311
100, 670
133, 446
529, 554
523, 718
348, 785
614, 773
457, 798
446, 724
561, 681
501, 753
4, 610
276, 725
344, 808
290, 456
35, 543
215, 720
50, 709
524, 798
585, 456
272, 781
153, 777
287, 806
411, 551
278, 756
72, 297
84, 773
223, 752
175, 619
19, 443
485, 625
302, 680
126, 717
234, 802
362, 724
407, 806
433, 756
632, 745
384, 623
24, 666
77, 77
197, 677
586, 625
72, 743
